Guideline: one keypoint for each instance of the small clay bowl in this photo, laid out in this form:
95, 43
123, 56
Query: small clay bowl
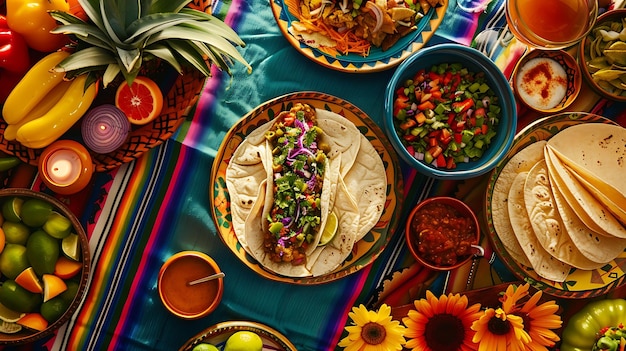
190, 301
537, 84
434, 209
602, 87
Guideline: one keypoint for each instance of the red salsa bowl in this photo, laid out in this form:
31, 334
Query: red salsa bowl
443, 233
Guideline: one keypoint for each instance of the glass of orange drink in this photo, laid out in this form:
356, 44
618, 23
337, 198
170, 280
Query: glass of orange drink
550, 24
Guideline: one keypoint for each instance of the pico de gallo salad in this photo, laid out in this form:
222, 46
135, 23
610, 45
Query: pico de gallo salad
446, 115
299, 159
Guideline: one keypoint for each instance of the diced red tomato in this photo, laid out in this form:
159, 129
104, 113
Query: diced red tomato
450, 164
426, 105
463, 106
441, 160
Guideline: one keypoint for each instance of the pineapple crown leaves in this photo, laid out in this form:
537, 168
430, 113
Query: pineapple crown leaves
121, 34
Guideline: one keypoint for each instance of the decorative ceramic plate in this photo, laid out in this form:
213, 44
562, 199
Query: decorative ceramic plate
364, 251
377, 60
579, 283
218, 334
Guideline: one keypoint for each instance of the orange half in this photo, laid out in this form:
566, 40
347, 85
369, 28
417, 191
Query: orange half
52, 286
34, 321
28, 280
66, 268
141, 101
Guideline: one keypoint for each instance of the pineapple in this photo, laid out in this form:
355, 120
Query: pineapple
121, 35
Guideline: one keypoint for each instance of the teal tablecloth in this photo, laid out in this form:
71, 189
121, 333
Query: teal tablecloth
140, 214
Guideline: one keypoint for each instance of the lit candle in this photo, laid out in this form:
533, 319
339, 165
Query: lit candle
65, 167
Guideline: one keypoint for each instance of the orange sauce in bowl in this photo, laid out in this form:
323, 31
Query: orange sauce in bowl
189, 301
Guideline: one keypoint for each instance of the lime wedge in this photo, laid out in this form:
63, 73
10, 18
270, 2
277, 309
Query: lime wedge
70, 245
12, 209
8, 315
9, 328
329, 230
58, 226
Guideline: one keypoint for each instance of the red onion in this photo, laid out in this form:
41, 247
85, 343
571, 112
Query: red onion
105, 128
378, 14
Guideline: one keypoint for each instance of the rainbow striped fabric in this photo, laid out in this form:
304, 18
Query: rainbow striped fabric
142, 213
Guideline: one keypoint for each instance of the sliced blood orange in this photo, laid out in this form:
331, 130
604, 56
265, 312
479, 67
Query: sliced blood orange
141, 101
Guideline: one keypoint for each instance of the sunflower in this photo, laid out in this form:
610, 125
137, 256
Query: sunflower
373, 331
441, 324
497, 330
539, 320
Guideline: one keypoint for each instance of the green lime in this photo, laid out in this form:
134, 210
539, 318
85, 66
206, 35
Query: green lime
70, 293
53, 309
35, 212
205, 347
8, 315
71, 246
13, 260
17, 298
244, 341
9, 327
42, 252
15, 232
58, 226
329, 230
12, 208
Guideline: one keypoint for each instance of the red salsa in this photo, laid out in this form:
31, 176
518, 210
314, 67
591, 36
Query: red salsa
442, 235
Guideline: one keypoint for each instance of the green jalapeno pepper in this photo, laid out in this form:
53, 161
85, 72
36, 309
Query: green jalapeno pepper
597, 326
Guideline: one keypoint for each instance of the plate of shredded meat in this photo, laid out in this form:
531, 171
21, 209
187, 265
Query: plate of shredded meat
358, 36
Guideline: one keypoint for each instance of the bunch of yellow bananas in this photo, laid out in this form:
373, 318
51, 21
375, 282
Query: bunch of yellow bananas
43, 106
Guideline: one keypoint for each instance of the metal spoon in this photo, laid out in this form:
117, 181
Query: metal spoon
206, 279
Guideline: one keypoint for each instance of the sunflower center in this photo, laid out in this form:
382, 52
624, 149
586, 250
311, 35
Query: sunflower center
373, 333
498, 327
444, 332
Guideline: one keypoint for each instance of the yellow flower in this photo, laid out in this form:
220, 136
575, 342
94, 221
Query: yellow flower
498, 331
539, 320
373, 331
441, 324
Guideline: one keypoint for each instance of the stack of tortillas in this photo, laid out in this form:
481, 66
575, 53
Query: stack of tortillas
561, 204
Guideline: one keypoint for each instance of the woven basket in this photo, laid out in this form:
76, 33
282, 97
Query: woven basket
177, 103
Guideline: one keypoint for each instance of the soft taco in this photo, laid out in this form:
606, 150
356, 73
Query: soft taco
353, 186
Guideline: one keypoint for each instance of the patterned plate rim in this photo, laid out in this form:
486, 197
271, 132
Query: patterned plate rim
562, 121
385, 227
341, 64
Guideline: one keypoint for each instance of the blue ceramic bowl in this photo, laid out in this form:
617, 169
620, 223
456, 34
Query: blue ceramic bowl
475, 62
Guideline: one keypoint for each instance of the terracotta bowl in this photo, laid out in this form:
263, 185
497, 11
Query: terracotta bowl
190, 301
76, 281
537, 86
418, 236
589, 65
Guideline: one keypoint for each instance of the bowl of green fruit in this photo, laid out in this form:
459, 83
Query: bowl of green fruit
236, 336
44, 265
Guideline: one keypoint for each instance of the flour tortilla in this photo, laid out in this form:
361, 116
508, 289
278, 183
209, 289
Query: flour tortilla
544, 264
360, 167
598, 155
367, 181
244, 175
596, 247
590, 211
546, 220
521, 162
